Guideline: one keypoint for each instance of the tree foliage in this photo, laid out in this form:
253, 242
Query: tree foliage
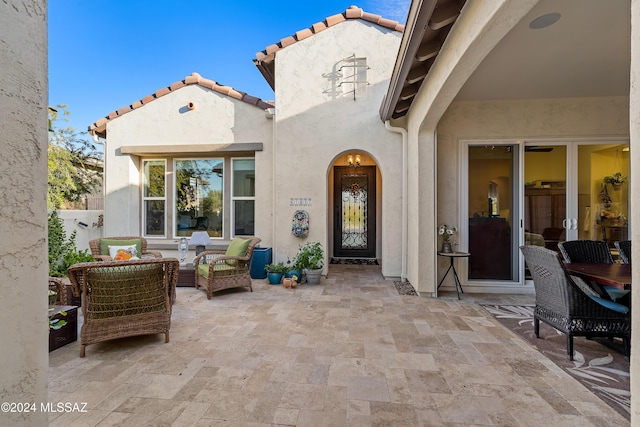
74, 163
63, 252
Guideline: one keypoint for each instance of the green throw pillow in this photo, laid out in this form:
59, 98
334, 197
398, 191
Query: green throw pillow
237, 247
105, 243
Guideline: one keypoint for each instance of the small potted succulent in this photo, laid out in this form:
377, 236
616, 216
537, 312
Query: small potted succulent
275, 272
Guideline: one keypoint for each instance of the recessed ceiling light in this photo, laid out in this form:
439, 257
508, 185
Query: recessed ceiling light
543, 21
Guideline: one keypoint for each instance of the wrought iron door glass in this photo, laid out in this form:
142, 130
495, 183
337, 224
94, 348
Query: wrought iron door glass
354, 195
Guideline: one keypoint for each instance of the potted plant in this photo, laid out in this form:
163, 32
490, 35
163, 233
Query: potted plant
310, 259
292, 270
275, 272
616, 180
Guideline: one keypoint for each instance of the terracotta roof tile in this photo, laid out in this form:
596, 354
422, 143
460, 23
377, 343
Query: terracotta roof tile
265, 59
272, 48
162, 92
123, 110
353, 12
371, 17
99, 127
335, 19
318, 26
176, 85
287, 41
147, 99
303, 34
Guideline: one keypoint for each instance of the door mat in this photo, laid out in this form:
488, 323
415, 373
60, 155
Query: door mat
405, 288
602, 370
362, 261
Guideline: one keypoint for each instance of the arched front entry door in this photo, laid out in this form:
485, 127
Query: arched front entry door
354, 212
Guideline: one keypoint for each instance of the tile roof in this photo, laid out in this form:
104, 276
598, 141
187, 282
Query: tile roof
100, 127
265, 59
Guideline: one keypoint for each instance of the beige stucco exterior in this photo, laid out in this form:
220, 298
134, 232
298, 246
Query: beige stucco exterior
166, 128
316, 125
436, 125
23, 214
432, 153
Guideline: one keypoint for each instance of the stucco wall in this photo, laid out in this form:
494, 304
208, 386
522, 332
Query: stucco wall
216, 119
315, 125
73, 220
23, 212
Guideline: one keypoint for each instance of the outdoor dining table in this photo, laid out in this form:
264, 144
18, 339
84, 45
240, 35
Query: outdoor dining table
616, 275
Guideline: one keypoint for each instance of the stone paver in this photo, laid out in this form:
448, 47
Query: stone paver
349, 352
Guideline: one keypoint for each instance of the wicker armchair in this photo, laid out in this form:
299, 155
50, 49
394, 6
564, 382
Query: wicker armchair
56, 285
592, 252
100, 254
624, 249
568, 304
124, 298
223, 271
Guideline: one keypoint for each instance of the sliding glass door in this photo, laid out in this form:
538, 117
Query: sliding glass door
492, 212
539, 193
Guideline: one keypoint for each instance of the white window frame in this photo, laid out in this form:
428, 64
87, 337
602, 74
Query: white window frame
174, 209
147, 198
235, 198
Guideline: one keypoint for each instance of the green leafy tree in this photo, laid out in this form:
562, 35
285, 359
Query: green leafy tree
63, 252
74, 163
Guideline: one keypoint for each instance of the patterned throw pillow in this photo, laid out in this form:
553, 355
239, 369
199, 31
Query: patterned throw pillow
123, 253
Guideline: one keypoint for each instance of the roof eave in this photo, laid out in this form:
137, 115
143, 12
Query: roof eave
266, 66
417, 21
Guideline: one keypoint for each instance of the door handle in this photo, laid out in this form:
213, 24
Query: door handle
564, 223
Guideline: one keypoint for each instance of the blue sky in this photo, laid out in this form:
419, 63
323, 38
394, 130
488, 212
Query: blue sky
105, 54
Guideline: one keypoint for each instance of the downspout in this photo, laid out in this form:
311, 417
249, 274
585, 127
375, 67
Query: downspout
95, 138
405, 208
270, 114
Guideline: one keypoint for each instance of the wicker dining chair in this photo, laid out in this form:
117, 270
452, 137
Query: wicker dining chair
586, 251
592, 252
124, 298
624, 249
100, 247
217, 269
59, 297
568, 304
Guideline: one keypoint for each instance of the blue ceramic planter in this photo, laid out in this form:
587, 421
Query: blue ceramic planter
274, 278
292, 273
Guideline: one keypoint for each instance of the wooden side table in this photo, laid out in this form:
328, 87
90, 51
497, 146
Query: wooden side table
187, 276
456, 279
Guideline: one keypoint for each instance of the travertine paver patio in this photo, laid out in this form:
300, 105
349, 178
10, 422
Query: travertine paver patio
350, 352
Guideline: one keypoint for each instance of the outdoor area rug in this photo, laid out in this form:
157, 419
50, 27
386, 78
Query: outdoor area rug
405, 288
362, 261
602, 370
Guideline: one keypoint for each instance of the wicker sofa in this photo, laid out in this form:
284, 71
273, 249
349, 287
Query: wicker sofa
100, 247
223, 271
570, 305
124, 298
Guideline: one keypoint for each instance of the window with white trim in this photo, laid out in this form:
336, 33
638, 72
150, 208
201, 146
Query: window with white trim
154, 198
243, 196
199, 201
